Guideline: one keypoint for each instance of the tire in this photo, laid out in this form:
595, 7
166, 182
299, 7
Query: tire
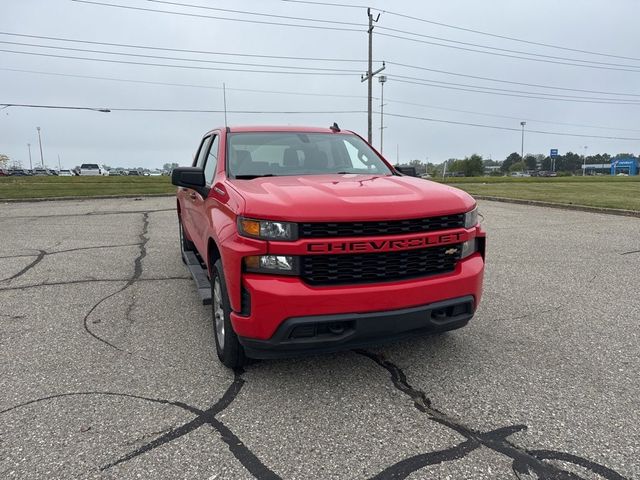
185, 245
228, 348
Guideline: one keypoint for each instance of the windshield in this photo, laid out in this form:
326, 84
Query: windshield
289, 153
89, 166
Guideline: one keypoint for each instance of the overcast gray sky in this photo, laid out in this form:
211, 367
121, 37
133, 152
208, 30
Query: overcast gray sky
122, 138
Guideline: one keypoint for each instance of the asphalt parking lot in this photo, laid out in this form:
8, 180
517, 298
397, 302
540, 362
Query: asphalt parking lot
108, 368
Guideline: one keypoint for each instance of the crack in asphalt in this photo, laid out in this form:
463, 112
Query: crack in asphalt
43, 253
525, 462
27, 268
628, 253
95, 280
137, 272
90, 214
202, 417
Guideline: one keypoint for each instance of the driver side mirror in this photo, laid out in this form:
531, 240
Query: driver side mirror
190, 177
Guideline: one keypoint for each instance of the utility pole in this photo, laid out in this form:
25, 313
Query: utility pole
30, 164
59, 166
584, 161
369, 76
40, 142
382, 79
522, 146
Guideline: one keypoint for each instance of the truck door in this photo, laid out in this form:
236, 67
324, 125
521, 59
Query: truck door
188, 197
200, 217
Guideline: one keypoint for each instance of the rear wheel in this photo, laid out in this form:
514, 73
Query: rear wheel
185, 244
228, 348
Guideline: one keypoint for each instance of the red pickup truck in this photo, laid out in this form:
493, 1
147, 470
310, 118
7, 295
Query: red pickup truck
307, 240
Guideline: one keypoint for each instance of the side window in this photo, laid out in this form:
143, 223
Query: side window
211, 162
202, 152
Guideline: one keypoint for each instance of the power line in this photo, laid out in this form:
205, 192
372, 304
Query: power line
183, 110
505, 37
507, 49
251, 112
553, 95
552, 87
158, 57
184, 14
182, 50
415, 67
456, 27
506, 55
328, 4
311, 94
190, 67
259, 14
512, 129
295, 112
534, 96
25, 105
509, 117
187, 85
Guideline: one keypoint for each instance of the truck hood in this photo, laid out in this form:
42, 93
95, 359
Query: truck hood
348, 197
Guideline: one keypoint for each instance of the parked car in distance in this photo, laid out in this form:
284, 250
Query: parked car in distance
133, 172
18, 172
90, 169
40, 172
65, 173
4, 173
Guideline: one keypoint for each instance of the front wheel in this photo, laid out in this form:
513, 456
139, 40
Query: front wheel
228, 348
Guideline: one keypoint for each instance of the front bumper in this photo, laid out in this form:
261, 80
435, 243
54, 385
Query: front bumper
329, 333
275, 299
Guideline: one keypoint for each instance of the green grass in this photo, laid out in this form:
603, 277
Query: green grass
45, 187
605, 191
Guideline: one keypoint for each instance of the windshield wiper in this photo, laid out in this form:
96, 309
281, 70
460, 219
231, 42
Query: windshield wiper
251, 177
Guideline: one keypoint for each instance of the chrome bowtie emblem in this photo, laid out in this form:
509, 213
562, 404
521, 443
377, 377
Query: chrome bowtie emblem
451, 251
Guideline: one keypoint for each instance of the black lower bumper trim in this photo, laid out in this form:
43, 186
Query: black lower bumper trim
330, 333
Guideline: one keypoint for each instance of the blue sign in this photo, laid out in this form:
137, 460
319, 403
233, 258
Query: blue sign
628, 165
554, 153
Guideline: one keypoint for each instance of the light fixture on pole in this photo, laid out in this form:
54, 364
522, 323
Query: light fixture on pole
40, 142
522, 145
382, 79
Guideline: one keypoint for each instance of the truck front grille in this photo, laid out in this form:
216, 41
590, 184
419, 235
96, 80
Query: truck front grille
378, 267
391, 227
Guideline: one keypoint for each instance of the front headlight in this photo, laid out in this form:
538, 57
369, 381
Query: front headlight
267, 229
281, 264
471, 218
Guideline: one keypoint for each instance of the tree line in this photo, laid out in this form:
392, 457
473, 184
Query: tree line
475, 165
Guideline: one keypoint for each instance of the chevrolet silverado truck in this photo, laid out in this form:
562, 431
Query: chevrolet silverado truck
307, 240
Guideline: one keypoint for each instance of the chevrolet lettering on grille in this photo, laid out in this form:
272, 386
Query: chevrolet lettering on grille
411, 243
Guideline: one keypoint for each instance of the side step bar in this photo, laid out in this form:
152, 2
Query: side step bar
199, 275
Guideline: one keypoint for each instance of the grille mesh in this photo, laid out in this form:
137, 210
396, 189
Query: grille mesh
378, 267
391, 227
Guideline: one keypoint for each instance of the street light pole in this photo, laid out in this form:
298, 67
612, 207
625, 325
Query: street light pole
40, 142
382, 79
30, 164
522, 145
